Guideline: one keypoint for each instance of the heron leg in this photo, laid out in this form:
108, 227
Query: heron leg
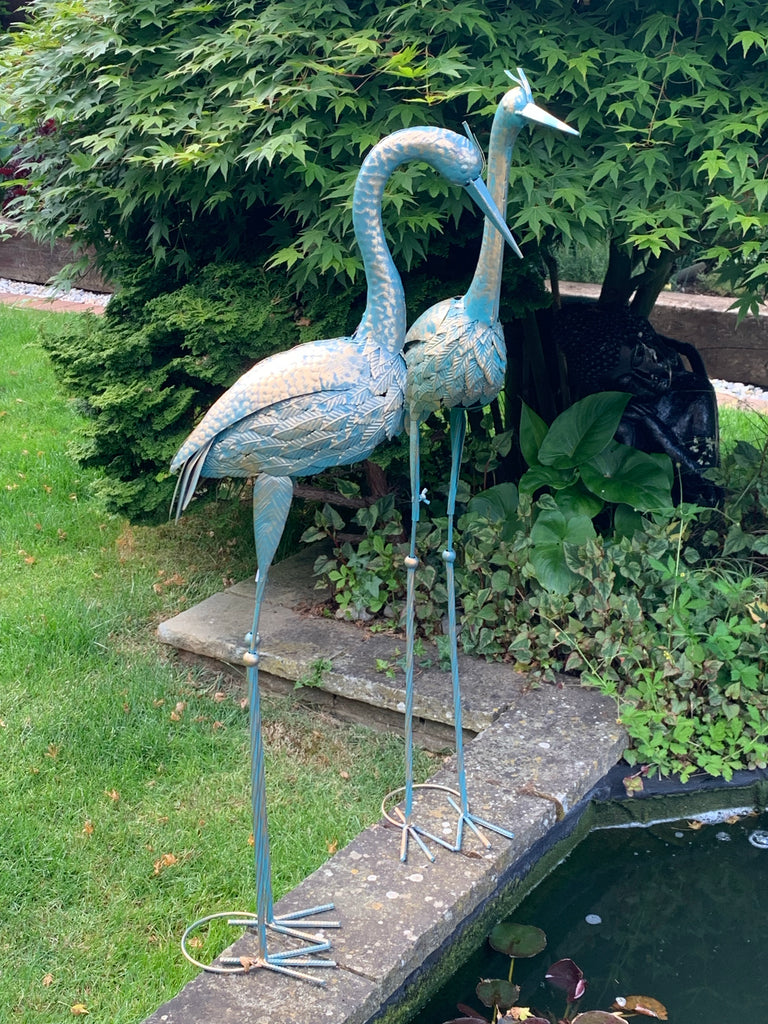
411, 563
271, 502
458, 420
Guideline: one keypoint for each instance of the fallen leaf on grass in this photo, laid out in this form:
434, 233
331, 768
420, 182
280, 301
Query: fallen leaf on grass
166, 861
88, 827
113, 795
178, 711
47, 981
333, 846
78, 1010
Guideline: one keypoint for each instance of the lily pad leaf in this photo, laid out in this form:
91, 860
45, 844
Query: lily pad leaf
568, 976
497, 992
598, 1017
643, 1005
518, 940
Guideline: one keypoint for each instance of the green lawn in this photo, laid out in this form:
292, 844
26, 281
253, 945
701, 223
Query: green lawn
124, 776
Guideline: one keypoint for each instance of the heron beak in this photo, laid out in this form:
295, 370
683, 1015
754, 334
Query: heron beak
533, 113
482, 197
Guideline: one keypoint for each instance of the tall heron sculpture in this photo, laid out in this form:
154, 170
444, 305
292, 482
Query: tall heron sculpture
456, 358
321, 404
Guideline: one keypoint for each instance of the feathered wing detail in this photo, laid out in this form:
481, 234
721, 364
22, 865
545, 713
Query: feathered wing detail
309, 369
453, 360
186, 485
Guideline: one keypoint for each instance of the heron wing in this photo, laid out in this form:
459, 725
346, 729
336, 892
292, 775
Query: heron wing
315, 368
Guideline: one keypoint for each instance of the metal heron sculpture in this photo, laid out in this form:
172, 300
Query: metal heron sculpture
456, 358
321, 404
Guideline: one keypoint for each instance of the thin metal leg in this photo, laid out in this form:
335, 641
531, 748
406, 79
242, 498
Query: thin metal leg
411, 564
272, 498
458, 430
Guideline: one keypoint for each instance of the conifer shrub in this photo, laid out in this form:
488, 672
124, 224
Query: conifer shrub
145, 372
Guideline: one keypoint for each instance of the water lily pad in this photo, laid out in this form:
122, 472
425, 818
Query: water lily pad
497, 992
520, 940
598, 1017
644, 1005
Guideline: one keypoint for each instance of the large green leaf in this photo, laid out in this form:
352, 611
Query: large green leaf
583, 430
549, 536
518, 940
577, 501
624, 475
546, 476
496, 504
533, 430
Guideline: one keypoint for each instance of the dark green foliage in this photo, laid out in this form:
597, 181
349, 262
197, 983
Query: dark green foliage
196, 131
145, 371
667, 613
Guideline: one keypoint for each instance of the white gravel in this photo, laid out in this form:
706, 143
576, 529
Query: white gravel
44, 291
740, 390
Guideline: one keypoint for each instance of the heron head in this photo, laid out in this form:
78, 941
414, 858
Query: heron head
518, 103
461, 161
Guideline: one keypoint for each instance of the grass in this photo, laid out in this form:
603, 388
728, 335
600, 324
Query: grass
126, 806
742, 425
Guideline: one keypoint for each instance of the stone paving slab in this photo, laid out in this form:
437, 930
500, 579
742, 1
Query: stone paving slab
292, 640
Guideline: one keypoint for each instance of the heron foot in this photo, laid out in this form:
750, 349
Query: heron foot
285, 961
404, 821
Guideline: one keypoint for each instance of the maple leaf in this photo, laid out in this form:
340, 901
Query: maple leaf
78, 1010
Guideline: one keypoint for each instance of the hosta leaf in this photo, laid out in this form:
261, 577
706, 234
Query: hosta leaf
624, 475
583, 430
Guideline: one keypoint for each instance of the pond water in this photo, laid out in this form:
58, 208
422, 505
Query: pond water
669, 911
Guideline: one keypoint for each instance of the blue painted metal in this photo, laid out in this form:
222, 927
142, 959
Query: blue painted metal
321, 404
456, 358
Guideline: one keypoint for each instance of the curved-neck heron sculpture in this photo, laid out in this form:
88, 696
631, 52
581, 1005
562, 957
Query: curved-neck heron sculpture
321, 404
456, 358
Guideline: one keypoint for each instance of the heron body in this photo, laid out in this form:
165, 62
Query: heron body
456, 358
321, 404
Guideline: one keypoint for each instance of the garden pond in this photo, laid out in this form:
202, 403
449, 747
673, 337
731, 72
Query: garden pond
675, 911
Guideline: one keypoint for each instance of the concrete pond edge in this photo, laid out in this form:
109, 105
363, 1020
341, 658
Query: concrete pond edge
542, 761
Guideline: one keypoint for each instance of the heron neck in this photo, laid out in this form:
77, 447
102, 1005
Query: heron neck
482, 298
385, 308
